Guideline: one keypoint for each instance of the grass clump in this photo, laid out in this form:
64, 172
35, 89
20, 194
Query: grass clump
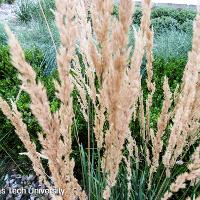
29, 10
25, 9
103, 132
36, 25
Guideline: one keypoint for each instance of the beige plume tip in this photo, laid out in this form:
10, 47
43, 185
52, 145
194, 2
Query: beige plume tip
8, 30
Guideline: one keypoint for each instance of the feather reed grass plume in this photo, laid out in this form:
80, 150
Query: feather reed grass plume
55, 138
108, 81
21, 129
183, 111
186, 119
193, 175
119, 79
161, 127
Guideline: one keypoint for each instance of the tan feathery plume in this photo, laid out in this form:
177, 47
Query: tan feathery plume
150, 84
195, 116
119, 85
180, 129
146, 15
101, 21
40, 106
148, 35
161, 126
166, 196
58, 125
68, 28
87, 4
21, 129
142, 117
192, 175
51, 124
131, 146
111, 58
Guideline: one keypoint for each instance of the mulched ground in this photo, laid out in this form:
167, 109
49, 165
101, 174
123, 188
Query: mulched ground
21, 187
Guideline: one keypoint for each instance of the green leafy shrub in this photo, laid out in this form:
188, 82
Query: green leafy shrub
182, 15
24, 12
187, 26
10, 145
137, 16
162, 11
115, 11
8, 89
173, 68
165, 23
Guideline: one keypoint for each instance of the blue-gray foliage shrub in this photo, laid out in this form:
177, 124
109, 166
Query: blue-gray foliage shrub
172, 43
